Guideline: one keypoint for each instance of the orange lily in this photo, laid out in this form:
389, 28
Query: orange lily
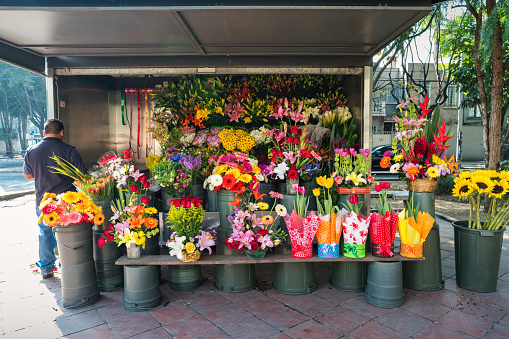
136, 221
235, 202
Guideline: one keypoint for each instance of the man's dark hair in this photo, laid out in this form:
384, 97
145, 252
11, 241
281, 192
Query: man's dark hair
53, 126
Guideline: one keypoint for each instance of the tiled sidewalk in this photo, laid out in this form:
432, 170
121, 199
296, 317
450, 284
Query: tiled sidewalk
30, 308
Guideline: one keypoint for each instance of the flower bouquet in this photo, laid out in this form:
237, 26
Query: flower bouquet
352, 171
254, 234
475, 186
413, 227
329, 232
302, 228
383, 225
188, 239
355, 234
69, 208
131, 224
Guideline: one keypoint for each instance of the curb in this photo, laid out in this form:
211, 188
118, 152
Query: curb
14, 195
445, 217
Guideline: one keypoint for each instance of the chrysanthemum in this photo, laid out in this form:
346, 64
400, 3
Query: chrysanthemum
499, 189
481, 183
220, 169
234, 171
151, 210
82, 207
385, 162
398, 157
462, 188
71, 197
74, 217
138, 237
51, 219
275, 195
395, 168
281, 210
83, 197
216, 180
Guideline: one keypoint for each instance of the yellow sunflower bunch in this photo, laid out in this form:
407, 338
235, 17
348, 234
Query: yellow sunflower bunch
493, 183
233, 139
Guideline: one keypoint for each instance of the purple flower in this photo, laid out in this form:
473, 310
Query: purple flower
191, 162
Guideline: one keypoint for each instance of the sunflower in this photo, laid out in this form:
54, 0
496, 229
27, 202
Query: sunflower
51, 219
482, 183
190, 247
385, 162
99, 219
465, 175
71, 197
151, 222
499, 189
462, 188
267, 220
263, 205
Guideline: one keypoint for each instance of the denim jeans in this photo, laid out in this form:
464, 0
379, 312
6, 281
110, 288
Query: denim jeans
47, 244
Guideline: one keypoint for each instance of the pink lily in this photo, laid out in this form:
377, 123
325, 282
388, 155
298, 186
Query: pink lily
290, 156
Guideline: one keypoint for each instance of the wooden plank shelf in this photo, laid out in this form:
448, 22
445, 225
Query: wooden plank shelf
214, 259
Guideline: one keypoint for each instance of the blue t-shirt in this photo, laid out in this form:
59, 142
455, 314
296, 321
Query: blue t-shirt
37, 160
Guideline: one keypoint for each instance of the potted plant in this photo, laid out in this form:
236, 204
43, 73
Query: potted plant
478, 244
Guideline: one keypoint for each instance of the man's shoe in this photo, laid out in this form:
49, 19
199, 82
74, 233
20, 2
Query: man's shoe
47, 275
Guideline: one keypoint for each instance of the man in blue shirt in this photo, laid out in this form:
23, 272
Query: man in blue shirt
35, 166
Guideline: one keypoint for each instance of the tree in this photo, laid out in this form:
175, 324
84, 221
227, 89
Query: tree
482, 71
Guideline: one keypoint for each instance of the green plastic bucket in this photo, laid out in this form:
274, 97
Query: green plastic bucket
225, 209
74, 243
349, 276
200, 192
152, 248
309, 187
79, 285
477, 257
184, 277
295, 278
141, 288
108, 213
266, 188
109, 276
232, 277
384, 287
425, 275
212, 201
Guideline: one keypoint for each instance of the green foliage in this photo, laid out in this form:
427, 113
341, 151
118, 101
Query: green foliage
445, 185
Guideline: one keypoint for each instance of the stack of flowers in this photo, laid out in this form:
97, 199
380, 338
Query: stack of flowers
477, 185
419, 154
188, 239
352, 171
236, 140
236, 172
69, 208
253, 234
383, 225
301, 227
329, 232
131, 224
413, 227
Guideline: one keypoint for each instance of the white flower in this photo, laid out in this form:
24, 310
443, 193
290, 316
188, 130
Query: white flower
260, 177
281, 210
395, 168
176, 246
216, 180
280, 170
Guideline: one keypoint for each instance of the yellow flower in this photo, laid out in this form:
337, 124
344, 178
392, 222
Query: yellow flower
82, 207
499, 189
263, 205
321, 180
219, 110
438, 161
355, 179
465, 175
256, 169
247, 120
482, 183
245, 178
398, 157
235, 172
48, 195
190, 248
138, 237
462, 188
99, 219
70, 197
432, 172
51, 219
328, 182
316, 192
220, 169
83, 197
202, 114
126, 237
151, 210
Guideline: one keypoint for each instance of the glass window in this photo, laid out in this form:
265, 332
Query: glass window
452, 97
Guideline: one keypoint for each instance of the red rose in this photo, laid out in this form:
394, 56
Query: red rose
354, 199
143, 178
106, 232
273, 151
279, 153
112, 227
110, 237
262, 232
289, 140
100, 242
296, 141
305, 153
254, 246
146, 184
187, 204
293, 167
145, 200
294, 130
134, 188
293, 174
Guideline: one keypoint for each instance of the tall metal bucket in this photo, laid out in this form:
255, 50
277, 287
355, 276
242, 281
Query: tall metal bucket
225, 209
384, 287
141, 288
108, 213
109, 276
212, 201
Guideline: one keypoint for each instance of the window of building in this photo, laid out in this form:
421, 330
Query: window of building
452, 97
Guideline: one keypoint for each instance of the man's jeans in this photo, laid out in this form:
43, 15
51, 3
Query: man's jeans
47, 244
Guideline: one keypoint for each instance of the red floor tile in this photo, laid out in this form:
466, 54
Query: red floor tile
375, 330
251, 328
139, 322
282, 317
361, 306
78, 322
336, 296
439, 331
160, 333
310, 304
114, 311
482, 310
466, 323
498, 331
98, 332
342, 319
173, 312
444, 297
258, 303
226, 316
209, 301
195, 326
312, 329
425, 308
403, 321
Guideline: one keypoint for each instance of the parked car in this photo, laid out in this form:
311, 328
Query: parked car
377, 155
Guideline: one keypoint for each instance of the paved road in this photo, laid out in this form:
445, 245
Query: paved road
14, 182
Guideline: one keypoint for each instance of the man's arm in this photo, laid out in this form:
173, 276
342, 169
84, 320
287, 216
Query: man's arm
27, 170
28, 176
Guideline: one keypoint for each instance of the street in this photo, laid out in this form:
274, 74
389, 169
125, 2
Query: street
11, 176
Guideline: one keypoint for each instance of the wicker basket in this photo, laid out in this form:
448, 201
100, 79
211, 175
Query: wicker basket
190, 257
422, 185
353, 190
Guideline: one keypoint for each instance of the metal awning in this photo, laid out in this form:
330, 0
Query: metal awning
148, 33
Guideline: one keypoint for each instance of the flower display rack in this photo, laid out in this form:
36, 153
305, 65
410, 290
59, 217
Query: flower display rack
269, 259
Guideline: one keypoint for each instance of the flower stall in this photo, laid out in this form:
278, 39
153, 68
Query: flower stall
237, 118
